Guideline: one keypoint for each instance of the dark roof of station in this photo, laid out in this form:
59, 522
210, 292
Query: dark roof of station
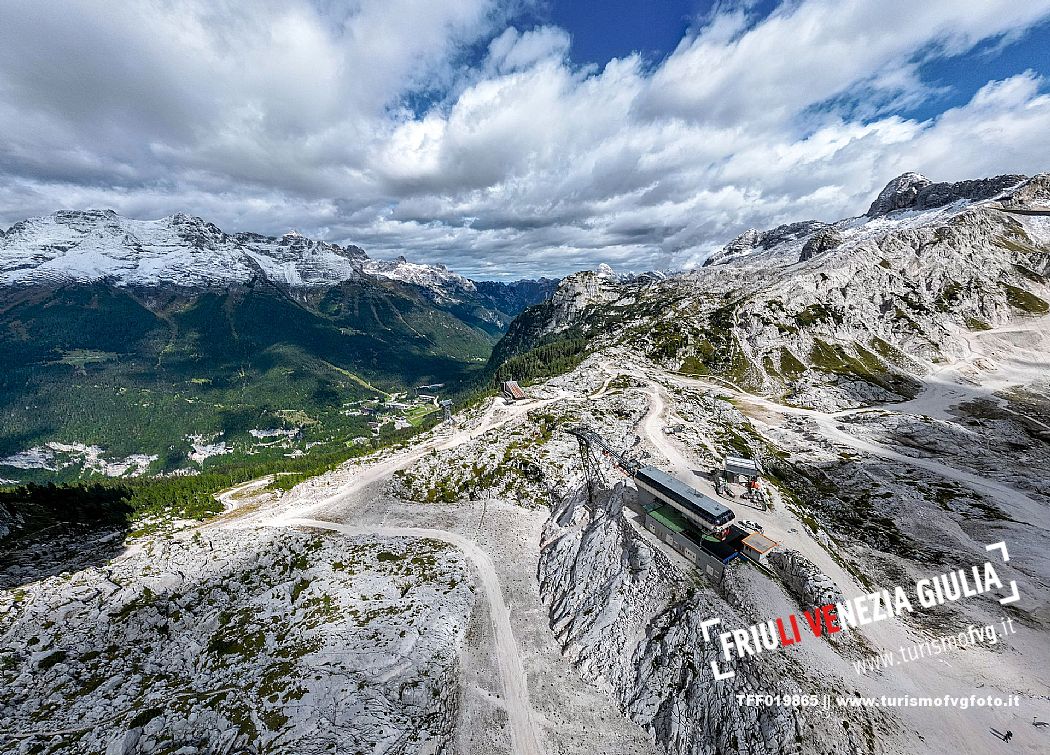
682, 493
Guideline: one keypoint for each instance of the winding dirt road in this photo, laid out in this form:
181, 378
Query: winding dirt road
827, 423
304, 510
781, 525
523, 734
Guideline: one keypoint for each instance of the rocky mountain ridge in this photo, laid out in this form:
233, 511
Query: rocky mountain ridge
835, 315
908, 191
86, 246
598, 573
914, 191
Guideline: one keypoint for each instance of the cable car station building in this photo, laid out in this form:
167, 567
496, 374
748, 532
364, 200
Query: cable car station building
698, 527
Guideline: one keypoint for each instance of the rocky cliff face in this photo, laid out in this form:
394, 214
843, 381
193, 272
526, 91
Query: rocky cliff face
630, 623
752, 239
1031, 195
913, 191
805, 581
844, 314
820, 242
9, 522
581, 291
898, 194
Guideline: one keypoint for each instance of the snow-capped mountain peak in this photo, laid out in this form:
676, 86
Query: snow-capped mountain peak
914, 191
898, 193
442, 283
184, 250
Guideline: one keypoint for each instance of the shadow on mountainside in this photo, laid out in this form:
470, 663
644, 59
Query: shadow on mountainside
46, 530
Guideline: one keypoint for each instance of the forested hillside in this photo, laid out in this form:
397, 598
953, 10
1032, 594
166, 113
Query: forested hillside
135, 347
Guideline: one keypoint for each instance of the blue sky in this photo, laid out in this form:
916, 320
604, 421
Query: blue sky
962, 75
606, 29
519, 138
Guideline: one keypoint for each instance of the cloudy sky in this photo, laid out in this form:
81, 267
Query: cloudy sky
512, 139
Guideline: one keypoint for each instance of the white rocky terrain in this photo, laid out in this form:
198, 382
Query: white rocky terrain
584, 622
548, 620
54, 456
841, 315
267, 640
626, 610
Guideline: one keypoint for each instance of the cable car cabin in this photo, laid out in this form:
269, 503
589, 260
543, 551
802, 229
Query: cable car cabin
706, 513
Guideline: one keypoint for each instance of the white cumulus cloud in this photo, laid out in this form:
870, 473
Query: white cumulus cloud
440, 130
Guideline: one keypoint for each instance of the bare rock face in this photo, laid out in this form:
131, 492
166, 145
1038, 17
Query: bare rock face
1034, 193
940, 194
753, 240
820, 242
805, 581
248, 641
578, 292
9, 521
899, 194
913, 191
741, 245
629, 624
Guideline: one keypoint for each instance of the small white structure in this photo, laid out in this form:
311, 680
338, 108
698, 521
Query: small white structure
757, 546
